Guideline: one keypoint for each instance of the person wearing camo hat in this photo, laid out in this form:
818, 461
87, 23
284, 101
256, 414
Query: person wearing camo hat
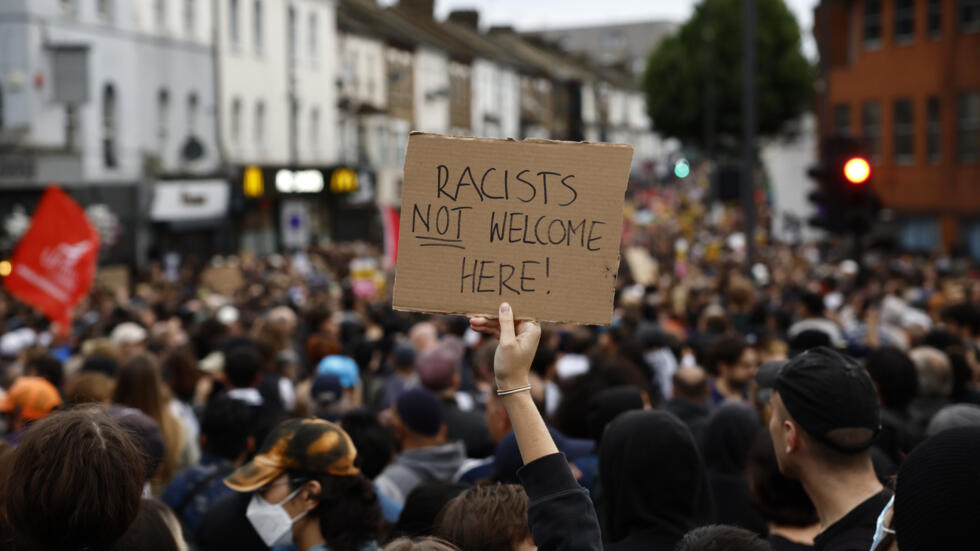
306, 489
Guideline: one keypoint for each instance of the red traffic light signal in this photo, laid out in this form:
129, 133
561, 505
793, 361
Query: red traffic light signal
857, 170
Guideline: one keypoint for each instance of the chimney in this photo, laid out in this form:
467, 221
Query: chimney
507, 30
466, 18
418, 7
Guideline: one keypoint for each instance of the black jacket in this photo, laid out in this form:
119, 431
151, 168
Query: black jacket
559, 510
225, 526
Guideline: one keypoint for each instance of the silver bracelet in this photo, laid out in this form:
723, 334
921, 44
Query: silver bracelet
513, 391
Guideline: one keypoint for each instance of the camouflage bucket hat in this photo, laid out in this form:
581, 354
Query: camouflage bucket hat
307, 445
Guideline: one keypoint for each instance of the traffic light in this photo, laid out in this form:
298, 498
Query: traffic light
844, 200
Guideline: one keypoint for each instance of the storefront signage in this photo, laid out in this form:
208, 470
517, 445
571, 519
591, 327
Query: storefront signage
299, 181
343, 180
253, 184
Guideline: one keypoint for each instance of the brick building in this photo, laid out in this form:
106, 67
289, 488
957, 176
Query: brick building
904, 76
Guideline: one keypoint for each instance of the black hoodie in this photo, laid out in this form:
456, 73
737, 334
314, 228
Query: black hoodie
654, 484
726, 441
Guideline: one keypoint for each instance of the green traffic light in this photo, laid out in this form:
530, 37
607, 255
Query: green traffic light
682, 169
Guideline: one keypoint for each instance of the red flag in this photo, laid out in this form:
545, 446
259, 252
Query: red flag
54, 263
391, 217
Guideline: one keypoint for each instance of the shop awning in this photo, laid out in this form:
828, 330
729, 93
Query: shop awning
189, 200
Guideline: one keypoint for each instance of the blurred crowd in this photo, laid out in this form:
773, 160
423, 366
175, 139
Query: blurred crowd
781, 399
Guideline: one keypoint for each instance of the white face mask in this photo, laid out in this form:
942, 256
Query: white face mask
880, 529
271, 521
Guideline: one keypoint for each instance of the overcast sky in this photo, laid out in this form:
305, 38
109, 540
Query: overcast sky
543, 14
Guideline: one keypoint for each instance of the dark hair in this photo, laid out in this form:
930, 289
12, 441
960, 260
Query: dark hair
812, 303
964, 315
242, 366
348, 512
226, 425
485, 518
49, 367
77, 472
725, 349
895, 376
722, 538
180, 372
571, 419
374, 443
151, 530
777, 499
543, 358
423, 505
89, 387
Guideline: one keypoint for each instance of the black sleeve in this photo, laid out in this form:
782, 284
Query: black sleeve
560, 512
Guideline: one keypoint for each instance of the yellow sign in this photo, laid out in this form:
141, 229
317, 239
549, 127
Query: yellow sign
253, 186
343, 180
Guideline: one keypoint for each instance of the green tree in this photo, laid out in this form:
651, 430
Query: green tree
709, 46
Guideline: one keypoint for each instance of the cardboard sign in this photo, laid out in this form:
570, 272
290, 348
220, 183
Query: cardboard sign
114, 278
225, 280
534, 223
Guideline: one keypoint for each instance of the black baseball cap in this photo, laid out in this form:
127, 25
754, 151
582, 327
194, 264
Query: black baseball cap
825, 392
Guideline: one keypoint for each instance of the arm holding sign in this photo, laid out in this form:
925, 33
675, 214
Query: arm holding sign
560, 511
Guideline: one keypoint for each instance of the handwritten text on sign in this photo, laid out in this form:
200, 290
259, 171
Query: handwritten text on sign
534, 223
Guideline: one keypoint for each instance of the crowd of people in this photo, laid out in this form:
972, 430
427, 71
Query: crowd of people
797, 403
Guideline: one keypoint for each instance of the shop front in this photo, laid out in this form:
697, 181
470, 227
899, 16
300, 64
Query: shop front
281, 208
190, 218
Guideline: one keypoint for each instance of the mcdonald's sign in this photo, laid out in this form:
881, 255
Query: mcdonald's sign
343, 180
252, 183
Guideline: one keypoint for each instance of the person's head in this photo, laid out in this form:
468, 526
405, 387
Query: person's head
144, 433
934, 372
423, 504
646, 488
487, 518
47, 367
439, 369
936, 503
420, 544
155, 528
894, 375
963, 319
304, 481
130, 338
226, 428
722, 538
140, 386
374, 443
953, 416
605, 406
78, 472
419, 419
727, 437
811, 305
28, 400
691, 384
778, 500
403, 357
825, 414
328, 397
88, 388
243, 364
423, 335
732, 360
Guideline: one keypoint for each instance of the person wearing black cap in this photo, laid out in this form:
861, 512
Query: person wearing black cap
420, 427
825, 419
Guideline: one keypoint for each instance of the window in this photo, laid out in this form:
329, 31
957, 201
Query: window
315, 131
192, 109
842, 120
934, 18
259, 124
189, 18
871, 128
370, 77
236, 122
257, 26
313, 33
968, 127
109, 119
160, 13
872, 23
1, 106
292, 32
163, 120
934, 128
970, 16
233, 33
903, 126
904, 20
105, 11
